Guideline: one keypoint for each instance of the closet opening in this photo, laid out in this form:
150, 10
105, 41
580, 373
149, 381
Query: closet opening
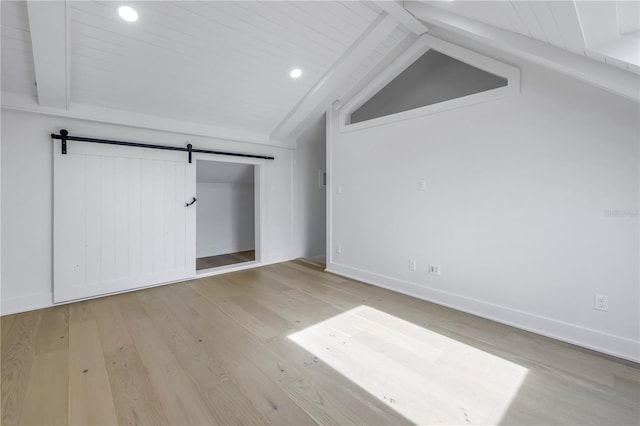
225, 215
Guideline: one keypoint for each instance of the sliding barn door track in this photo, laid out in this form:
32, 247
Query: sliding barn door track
65, 137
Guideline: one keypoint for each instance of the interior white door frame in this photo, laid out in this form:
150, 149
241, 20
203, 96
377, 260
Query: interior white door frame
259, 207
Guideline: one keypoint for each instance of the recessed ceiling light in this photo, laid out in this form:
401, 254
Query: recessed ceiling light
295, 73
127, 13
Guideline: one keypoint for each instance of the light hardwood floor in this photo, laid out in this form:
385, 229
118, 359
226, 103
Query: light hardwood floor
225, 259
288, 344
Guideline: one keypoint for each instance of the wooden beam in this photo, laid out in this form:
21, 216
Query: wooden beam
402, 16
580, 67
317, 100
48, 24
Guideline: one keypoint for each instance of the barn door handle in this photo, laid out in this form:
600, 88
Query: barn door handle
194, 200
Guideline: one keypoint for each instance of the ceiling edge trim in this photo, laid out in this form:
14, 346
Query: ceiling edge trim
17, 102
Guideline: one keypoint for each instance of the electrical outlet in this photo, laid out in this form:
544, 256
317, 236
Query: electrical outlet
339, 248
413, 265
422, 185
434, 269
601, 302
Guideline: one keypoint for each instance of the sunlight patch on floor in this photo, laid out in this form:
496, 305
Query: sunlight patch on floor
425, 376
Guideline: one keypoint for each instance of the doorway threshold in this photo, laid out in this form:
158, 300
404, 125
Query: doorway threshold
227, 268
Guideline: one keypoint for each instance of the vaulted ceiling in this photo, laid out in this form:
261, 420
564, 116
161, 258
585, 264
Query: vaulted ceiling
607, 31
222, 68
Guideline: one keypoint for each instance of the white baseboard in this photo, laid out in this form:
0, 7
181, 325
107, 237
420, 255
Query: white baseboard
322, 258
25, 303
45, 300
571, 333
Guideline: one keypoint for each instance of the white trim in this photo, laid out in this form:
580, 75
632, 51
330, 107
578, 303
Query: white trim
49, 31
17, 102
331, 119
237, 267
403, 16
321, 258
45, 300
26, 303
423, 44
399, 64
259, 206
618, 346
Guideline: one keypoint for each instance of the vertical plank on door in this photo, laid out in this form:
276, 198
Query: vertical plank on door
121, 222
190, 219
146, 214
134, 187
180, 195
171, 181
93, 220
159, 188
70, 262
122, 181
107, 211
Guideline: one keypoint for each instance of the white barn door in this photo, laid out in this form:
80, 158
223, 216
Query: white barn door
120, 220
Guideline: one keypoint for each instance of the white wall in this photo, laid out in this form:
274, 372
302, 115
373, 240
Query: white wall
224, 218
27, 198
531, 208
310, 159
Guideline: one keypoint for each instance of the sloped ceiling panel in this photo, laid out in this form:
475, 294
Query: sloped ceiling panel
212, 62
601, 30
18, 74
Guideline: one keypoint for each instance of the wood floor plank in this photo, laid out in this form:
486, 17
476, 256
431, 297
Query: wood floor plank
242, 317
319, 403
90, 398
82, 311
292, 304
18, 351
225, 259
288, 344
178, 395
133, 395
231, 406
367, 407
228, 364
54, 330
47, 395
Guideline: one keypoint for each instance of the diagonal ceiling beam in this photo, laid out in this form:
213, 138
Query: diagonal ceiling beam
317, 100
48, 24
403, 16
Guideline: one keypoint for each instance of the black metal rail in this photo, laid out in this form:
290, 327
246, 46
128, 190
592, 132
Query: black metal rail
64, 137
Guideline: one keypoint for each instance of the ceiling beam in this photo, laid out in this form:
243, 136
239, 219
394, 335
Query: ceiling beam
20, 102
317, 100
48, 24
580, 67
402, 16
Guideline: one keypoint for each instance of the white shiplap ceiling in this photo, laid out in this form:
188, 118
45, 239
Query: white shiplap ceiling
220, 62
224, 64
17, 58
221, 68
